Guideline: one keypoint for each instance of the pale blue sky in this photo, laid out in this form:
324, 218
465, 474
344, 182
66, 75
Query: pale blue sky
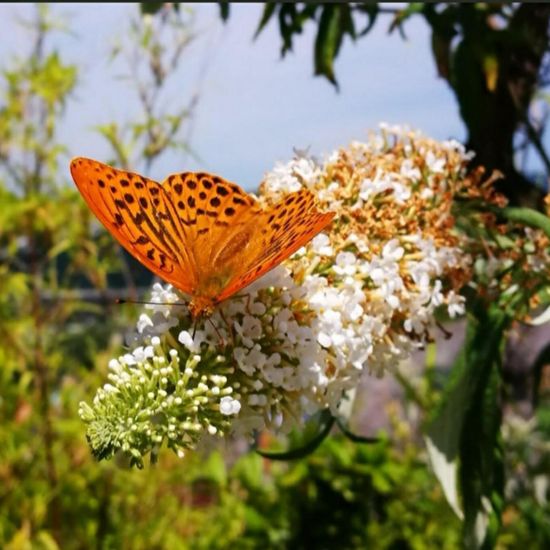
254, 107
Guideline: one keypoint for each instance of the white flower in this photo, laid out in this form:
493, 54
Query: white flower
435, 164
321, 245
392, 251
409, 171
345, 263
141, 353
144, 323
193, 344
426, 193
229, 406
384, 182
456, 304
293, 175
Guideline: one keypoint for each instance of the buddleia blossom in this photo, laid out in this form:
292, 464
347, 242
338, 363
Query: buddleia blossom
359, 298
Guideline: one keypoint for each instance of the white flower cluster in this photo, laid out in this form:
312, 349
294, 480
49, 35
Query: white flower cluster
298, 339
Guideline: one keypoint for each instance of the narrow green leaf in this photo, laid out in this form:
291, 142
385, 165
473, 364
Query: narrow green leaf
224, 10
526, 216
287, 26
347, 23
444, 465
269, 10
214, 469
402, 15
151, 8
320, 425
371, 10
481, 466
463, 438
354, 437
328, 41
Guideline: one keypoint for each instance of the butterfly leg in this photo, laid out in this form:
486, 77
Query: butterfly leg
247, 303
221, 341
229, 327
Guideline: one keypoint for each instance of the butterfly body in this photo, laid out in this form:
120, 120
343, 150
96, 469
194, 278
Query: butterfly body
197, 231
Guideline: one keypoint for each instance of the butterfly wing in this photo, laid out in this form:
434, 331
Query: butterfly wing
277, 234
140, 215
216, 215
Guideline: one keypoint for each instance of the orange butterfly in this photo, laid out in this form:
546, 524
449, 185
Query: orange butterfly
197, 231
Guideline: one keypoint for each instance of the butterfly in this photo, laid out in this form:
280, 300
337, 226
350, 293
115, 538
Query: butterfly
204, 235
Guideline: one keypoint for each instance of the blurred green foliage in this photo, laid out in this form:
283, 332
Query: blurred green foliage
54, 349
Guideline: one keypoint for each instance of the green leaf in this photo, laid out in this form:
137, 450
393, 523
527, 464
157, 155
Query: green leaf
224, 10
371, 10
526, 216
46, 541
287, 26
249, 469
347, 24
328, 41
151, 8
269, 10
463, 438
354, 437
444, 461
213, 469
316, 430
481, 464
402, 15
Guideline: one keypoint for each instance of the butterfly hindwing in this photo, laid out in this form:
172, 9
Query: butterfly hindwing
279, 232
212, 211
139, 214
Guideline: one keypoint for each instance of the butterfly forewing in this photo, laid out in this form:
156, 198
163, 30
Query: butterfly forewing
206, 204
140, 215
215, 214
278, 233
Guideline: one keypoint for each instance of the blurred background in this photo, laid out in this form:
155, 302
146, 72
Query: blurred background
238, 87
161, 88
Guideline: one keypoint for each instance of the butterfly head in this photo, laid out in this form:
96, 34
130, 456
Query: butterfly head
201, 307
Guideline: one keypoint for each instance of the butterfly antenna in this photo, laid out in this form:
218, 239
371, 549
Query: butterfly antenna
123, 301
